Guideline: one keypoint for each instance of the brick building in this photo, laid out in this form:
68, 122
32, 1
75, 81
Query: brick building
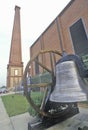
68, 31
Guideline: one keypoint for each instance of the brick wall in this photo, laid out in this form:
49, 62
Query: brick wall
57, 35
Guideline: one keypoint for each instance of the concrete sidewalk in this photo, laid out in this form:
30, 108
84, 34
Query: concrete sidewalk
5, 123
19, 122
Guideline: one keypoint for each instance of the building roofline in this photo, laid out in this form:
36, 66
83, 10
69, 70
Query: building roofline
60, 14
66, 7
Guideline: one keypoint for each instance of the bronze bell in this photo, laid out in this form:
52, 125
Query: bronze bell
70, 87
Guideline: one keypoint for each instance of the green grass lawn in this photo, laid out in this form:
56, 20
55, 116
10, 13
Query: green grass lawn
15, 104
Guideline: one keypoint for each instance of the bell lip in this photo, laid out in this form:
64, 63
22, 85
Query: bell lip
69, 101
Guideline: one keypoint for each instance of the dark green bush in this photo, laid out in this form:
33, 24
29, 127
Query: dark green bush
37, 98
36, 94
42, 78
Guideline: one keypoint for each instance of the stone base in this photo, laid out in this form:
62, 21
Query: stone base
39, 123
77, 122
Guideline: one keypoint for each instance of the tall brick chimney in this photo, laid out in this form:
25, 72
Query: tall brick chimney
15, 66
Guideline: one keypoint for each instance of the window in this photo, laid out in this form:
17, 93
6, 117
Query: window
16, 72
36, 66
79, 38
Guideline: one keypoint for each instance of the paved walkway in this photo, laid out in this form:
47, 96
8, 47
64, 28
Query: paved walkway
19, 122
5, 123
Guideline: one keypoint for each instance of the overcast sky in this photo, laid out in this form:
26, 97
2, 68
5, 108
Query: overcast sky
36, 15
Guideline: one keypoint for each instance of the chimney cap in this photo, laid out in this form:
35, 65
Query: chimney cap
17, 7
